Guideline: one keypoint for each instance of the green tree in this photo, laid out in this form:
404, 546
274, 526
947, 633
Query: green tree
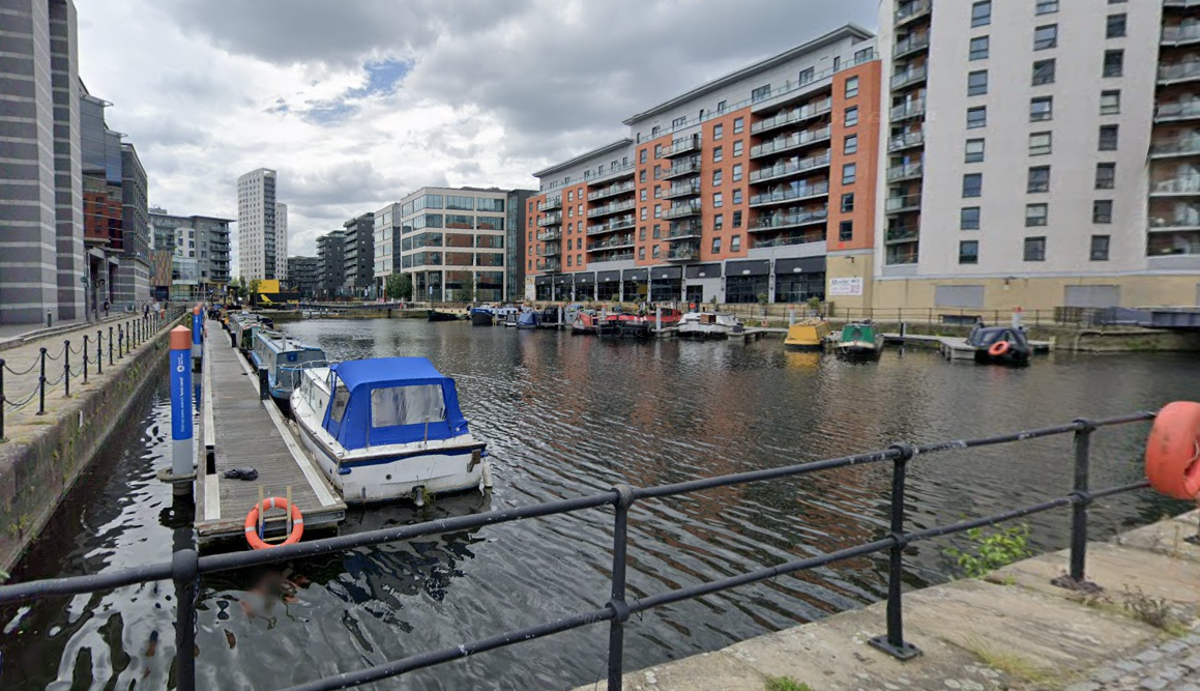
465, 293
406, 287
255, 284
398, 287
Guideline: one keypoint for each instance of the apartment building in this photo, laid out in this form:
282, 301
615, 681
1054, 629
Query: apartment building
359, 256
1059, 166
304, 275
199, 249
453, 240
758, 185
331, 258
258, 232
387, 245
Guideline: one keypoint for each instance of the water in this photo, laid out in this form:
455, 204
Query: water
566, 416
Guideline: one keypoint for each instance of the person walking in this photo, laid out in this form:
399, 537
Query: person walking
106, 309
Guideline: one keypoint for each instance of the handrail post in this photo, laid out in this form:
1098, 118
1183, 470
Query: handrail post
67, 368
185, 569
264, 392
99, 352
3, 400
42, 385
110, 346
616, 627
1075, 579
85, 357
893, 642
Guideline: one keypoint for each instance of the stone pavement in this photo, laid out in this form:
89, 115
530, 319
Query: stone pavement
1170, 666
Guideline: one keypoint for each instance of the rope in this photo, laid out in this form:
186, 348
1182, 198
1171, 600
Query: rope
79, 350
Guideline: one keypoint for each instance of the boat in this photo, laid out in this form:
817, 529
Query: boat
548, 318
436, 316
384, 429
861, 341
527, 320
510, 318
708, 325
807, 335
482, 316
243, 325
1000, 345
284, 359
584, 323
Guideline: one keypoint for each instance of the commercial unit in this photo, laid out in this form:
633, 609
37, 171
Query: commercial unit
331, 258
757, 186
304, 275
199, 255
359, 257
262, 238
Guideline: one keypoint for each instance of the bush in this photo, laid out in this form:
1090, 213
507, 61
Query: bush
990, 552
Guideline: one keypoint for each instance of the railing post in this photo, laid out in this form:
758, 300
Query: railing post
616, 627
893, 642
42, 385
1074, 579
99, 352
3, 401
67, 369
110, 346
185, 570
85, 357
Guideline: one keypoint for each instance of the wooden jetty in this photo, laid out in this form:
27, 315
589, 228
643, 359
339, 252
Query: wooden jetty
951, 347
240, 430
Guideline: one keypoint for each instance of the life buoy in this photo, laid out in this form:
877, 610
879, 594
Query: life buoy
1172, 450
251, 524
999, 348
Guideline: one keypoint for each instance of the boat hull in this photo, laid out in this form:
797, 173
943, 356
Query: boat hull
435, 316
703, 332
481, 319
859, 351
1013, 358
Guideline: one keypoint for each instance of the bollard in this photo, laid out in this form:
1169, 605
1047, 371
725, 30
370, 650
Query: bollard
110, 346
66, 369
181, 408
264, 387
658, 319
197, 335
85, 353
42, 386
120, 342
49, 319
903, 330
99, 352
2, 401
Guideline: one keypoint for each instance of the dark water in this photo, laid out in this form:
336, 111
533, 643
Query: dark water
566, 416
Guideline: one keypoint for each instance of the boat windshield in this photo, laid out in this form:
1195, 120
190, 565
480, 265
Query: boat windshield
341, 397
407, 405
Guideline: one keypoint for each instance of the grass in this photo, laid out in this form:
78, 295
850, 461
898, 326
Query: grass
1010, 664
785, 684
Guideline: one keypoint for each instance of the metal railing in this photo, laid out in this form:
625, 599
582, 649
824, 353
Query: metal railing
910, 44
1059, 316
187, 566
911, 109
808, 191
792, 141
909, 76
906, 140
787, 117
1180, 34
790, 168
1179, 70
1177, 109
789, 240
786, 220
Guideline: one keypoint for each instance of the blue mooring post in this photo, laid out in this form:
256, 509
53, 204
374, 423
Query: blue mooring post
197, 335
181, 409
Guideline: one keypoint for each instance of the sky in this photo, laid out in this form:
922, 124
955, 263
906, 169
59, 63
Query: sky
356, 103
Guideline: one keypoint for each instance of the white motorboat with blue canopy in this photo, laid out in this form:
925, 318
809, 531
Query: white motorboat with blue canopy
388, 428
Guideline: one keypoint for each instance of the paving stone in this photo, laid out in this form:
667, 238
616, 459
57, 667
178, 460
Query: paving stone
1187, 687
1172, 672
1148, 657
1192, 662
1128, 665
1106, 675
1172, 647
1154, 684
1083, 686
1191, 639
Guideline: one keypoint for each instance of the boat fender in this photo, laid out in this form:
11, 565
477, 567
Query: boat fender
999, 348
251, 524
1172, 450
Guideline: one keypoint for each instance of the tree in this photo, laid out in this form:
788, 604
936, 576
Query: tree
406, 287
398, 287
465, 293
255, 284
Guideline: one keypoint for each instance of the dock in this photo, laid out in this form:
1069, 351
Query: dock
951, 347
238, 429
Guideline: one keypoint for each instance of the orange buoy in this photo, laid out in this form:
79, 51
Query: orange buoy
1172, 450
251, 524
999, 348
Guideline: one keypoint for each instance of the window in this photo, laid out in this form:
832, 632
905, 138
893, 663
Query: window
718, 154
678, 122
737, 219
1110, 102
1045, 37
657, 231
658, 151
1099, 250
739, 147
717, 200
735, 243
1043, 71
641, 253
1041, 109
570, 195
643, 213
1106, 176
761, 93
1047, 6
849, 173
851, 118
716, 245
847, 203
719, 222
1036, 215
977, 83
739, 124
968, 252
737, 196
975, 151
718, 132
405, 405
851, 86
1114, 63
654, 132
1102, 211
721, 107
569, 260
972, 185
658, 191
1108, 137
980, 47
642, 175
655, 253
716, 177
642, 194
1035, 249
976, 117
1116, 26
846, 231
1039, 180
737, 172
1040, 143
642, 234
981, 13
642, 155
968, 218
850, 145
807, 75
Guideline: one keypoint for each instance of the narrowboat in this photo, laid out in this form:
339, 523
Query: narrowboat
707, 325
510, 318
482, 316
385, 429
809, 334
436, 316
1000, 345
284, 359
549, 318
584, 323
860, 341
527, 320
242, 326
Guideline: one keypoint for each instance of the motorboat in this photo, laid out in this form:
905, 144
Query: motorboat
860, 341
709, 325
1000, 345
384, 429
510, 318
284, 358
809, 334
549, 317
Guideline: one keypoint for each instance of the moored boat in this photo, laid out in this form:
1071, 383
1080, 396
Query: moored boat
707, 325
1000, 345
482, 316
388, 428
584, 323
860, 340
527, 320
436, 316
807, 335
284, 359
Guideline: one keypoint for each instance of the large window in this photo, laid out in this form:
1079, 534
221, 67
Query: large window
1108, 137
1102, 211
1114, 63
489, 222
969, 218
1110, 102
972, 185
976, 117
459, 221
977, 83
427, 221
485, 204
1047, 6
1039, 180
1099, 249
1041, 143
1116, 26
761, 93
407, 405
1035, 249
1036, 215
1041, 109
974, 151
460, 203
1106, 176
968, 252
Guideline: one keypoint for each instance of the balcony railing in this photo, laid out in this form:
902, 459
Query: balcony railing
683, 253
680, 231
615, 243
681, 169
1180, 4
1181, 185
615, 224
549, 236
1179, 71
1176, 147
613, 257
1177, 111
790, 142
611, 173
912, 109
911, 44
614, 208
905, 141
789, 220
904, 172
1173, 224
550, 204
550, 220
788, 117
550, 265
905, 203
806, 192
687, 189
683, 146
791, 168
1180, 34
910, 76
553, 249
913, 10
611, 190
789, 240
683, 210
901, 233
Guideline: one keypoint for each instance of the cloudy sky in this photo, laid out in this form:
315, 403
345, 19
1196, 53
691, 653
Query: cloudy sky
358, 102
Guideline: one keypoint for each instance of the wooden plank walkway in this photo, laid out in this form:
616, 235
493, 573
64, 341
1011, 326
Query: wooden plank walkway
240, 430
952, 347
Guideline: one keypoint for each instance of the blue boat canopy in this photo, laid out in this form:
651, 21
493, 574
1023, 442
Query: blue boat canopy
395, 400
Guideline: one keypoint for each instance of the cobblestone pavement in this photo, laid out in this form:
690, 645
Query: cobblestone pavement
1170, 666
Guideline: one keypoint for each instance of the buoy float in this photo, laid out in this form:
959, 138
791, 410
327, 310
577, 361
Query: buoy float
999, 348
1172, 450
251, 524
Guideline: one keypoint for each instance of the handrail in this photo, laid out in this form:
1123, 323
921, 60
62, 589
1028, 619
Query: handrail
187, 566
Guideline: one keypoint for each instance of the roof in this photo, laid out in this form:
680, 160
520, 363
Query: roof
614, 146
386, 370
847, 31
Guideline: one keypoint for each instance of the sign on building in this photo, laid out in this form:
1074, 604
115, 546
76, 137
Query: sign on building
845, 286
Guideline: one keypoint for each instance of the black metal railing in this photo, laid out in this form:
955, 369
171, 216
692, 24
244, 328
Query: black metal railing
187, 566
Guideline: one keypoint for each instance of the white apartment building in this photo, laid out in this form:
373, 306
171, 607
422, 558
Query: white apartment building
453, 239
281, 242
1039, 153
258, 232
387, 244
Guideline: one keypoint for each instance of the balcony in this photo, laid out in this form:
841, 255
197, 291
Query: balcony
686, 189
609, 209
1164, 225
913, 75
550, 220
906, 141
795, 219
1169, 148
795, 115
1173, 112
549, 236
550, 204
553, 249
910, 45
612, 257
909, 171
611, 190
1179, 72
790, 169
682, 231
899, 205
623, 223
912, 109
1180, 35
613, 174
902, 233
616, 243
913, 11
789, 241
683, 146
683, 253
550, 265
794, 141
805, 192
901, 254
1180, 4
1187, 185
682, 169
684, 210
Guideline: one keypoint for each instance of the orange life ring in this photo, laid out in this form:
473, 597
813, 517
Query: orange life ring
251, 524
999, 348
1172, 450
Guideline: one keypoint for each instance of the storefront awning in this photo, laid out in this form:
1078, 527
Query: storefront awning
586, 278
636, 275
608, 276
541, 280
806, 265
760, 267
562, 279
666, 273
703, 271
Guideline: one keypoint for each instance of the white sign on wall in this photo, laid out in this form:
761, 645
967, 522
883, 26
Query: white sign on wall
845, 286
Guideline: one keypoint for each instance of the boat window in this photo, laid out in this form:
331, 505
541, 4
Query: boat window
341, 396
407, 405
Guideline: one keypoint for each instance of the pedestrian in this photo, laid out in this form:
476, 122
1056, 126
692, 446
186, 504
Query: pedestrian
106, 309
145, 311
